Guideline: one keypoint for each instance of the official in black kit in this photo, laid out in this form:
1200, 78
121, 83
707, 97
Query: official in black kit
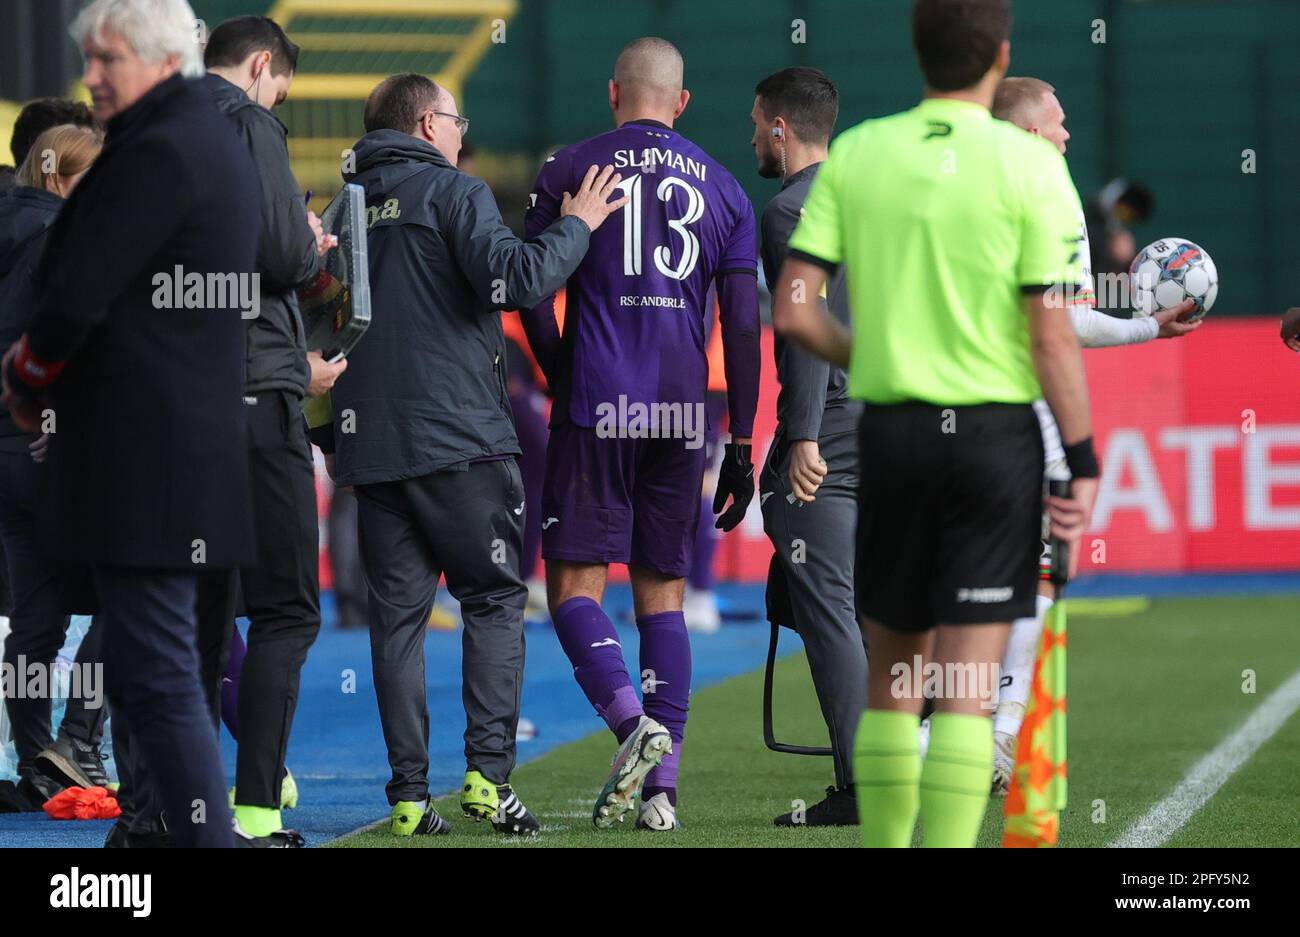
251, 65
808, 486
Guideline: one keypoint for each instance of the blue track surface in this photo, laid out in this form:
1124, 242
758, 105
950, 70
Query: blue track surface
337, 751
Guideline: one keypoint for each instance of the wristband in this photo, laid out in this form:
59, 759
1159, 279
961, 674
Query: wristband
1082, 460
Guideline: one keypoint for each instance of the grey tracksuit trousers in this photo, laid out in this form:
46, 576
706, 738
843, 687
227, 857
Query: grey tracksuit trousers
811, 584
466, 524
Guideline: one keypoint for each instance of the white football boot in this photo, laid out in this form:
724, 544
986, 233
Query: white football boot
658, 814
1004, 750
637, 757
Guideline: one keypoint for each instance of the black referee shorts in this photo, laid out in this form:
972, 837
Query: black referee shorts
950, 508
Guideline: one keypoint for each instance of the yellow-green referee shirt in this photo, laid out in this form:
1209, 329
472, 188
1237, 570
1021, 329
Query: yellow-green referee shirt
941, 216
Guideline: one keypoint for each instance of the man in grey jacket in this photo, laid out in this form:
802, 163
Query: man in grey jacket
808, 488
424, 433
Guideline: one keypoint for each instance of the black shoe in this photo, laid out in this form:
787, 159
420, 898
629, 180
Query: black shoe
74, 763
280, 839
26, 797
840, 808
119, 837
41, 782
512, 817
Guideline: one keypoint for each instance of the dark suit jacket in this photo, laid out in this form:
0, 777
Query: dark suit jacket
148, 464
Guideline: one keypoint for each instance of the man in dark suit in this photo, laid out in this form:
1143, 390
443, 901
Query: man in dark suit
137, 351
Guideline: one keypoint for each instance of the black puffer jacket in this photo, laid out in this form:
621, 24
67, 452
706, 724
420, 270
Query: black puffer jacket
25, 218
286, 252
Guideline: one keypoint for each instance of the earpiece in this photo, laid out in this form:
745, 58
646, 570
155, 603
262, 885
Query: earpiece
778, 133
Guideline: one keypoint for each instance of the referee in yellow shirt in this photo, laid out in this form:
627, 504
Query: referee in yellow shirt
952, 228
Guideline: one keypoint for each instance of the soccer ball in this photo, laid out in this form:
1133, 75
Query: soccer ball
1168, 271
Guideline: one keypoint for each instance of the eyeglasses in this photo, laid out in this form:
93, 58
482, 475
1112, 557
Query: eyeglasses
462, 123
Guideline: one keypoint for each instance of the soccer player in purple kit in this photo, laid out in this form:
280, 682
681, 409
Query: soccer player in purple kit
626, 456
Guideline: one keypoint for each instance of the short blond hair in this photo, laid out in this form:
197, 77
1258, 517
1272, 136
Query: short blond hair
63, 151
1016, 95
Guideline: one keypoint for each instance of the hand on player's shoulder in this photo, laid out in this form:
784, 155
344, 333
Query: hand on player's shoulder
591, 203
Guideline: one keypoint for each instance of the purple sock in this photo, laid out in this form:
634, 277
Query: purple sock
666, 685
588, 638
230, 684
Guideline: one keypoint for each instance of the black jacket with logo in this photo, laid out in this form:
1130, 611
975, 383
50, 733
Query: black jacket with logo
286, 251
425, 389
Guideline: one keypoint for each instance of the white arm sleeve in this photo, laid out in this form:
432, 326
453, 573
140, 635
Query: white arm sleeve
1098, 330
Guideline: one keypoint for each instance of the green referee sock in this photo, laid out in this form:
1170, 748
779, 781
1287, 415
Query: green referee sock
955, 780
886, 769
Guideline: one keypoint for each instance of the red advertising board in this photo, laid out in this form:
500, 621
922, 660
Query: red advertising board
1200, 441
1200, 444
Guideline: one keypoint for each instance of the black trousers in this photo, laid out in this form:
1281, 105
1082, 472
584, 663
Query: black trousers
469, 526
810, 584
138, 794
38, 619
281, 592
152, 670
281, 597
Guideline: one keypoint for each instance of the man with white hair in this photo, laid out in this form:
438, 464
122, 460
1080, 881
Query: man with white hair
148, 471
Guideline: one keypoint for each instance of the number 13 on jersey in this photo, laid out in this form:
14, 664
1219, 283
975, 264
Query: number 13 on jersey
632, 224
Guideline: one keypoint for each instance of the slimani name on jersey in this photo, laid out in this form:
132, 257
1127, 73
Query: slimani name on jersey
647, 159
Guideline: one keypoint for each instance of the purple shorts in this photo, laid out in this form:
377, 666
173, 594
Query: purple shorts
609, 500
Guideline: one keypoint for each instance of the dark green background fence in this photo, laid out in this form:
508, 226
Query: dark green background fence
1172, 98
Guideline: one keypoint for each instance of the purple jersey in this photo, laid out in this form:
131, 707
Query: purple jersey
635, 309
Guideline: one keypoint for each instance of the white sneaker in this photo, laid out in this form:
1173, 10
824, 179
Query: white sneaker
1004, 763
658, 814
700, 609
639, 754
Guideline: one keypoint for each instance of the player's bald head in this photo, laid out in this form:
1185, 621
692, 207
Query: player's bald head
1021, 100
650, 70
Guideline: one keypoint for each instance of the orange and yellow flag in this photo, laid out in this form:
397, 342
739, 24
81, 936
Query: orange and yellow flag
1038, 784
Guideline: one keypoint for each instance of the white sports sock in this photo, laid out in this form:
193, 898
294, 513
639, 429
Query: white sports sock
1018, 669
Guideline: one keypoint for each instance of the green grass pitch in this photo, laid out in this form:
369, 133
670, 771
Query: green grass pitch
1152, 688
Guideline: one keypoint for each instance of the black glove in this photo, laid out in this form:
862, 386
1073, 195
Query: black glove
735, 480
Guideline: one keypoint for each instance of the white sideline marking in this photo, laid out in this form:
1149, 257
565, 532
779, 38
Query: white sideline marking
1158, 825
